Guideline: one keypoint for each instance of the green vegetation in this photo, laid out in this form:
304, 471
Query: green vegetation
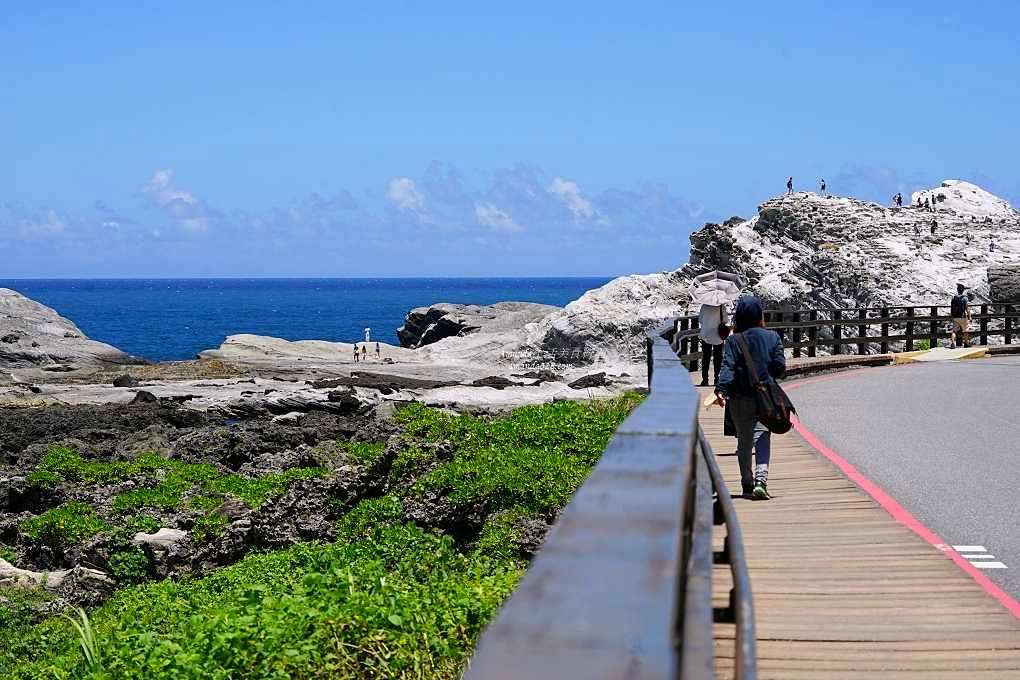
130, 565
922, 345
388, 599
42, 479
175, 478
209, 526
65, 526
8, 554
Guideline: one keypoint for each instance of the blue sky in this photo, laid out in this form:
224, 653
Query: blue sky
456, 138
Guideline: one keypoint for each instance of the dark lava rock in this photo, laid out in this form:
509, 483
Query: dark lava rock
144, 397
10, 338
592, 380
381, 381
125, 381
544, 375
495, 381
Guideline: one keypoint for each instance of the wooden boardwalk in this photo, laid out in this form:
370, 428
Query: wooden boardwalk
842, 590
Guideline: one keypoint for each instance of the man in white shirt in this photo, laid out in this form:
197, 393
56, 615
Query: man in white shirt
712, 319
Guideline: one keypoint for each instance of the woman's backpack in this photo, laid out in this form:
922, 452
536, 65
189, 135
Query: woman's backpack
773, 406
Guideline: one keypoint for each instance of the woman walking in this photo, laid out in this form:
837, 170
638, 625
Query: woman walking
736, 392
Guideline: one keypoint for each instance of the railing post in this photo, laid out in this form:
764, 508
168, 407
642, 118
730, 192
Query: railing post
862, 331
796, 336
984, 324
1007, 324
934, 328
813, 333
685, 342
837, 331
885, 329
908, 346
695, 343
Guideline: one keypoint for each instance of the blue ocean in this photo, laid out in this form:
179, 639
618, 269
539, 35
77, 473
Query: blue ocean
166, 319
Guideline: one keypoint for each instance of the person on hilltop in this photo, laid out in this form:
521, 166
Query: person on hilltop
714, 327
789, 186
934, 226
355, 352
961, 317
898, 199
735, 391
823, 187
364, 352
378, 354
927, 205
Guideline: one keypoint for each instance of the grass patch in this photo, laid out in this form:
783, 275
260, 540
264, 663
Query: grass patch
64, 526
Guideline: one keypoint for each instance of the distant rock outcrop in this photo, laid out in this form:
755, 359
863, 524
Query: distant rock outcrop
813, 251
34, 336
426, 325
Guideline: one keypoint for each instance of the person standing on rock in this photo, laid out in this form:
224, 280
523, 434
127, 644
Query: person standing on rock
735, 391
898, 199
934, 226
714, 327
961, 317
378, 354
823, 187
364, 352
789, 186
355, 352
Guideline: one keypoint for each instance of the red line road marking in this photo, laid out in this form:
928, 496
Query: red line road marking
901, 515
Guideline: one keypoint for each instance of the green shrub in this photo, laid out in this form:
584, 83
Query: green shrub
42, 479
254, 491
142, 523
8, 554
209, 526
65, 526
922, 345
130, 565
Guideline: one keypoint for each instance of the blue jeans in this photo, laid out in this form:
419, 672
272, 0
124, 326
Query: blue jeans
751, 435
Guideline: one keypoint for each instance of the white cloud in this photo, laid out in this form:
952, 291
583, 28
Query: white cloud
403, 192
569, 194
489, 215
161, 189
50, 225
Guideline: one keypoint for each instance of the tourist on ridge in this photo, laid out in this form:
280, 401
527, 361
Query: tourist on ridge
355, 352
364, 352
927, 205
961, 317
789, 186
898, 199
735, 391
823, 187
714, 327
934, 226
378, 354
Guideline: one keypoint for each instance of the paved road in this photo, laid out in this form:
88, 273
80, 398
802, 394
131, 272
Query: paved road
943, 439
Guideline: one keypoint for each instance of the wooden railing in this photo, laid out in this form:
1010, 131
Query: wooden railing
622, 587
874, 330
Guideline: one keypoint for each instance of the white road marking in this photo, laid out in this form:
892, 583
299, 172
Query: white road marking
969, 548
989, 565
980, 557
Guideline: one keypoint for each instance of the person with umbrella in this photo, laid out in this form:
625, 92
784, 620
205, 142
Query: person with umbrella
713, 291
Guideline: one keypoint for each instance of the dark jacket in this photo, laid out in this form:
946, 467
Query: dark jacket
767, 353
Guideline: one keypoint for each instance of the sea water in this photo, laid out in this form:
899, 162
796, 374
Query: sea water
167, 319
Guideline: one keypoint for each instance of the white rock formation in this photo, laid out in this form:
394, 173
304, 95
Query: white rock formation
164, 538
33, 335
13, 577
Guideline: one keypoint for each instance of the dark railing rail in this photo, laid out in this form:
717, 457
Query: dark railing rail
863, 330
622, 587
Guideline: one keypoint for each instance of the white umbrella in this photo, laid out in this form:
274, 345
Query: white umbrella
715, 288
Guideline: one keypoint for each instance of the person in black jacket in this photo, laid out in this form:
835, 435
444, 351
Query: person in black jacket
735, 390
